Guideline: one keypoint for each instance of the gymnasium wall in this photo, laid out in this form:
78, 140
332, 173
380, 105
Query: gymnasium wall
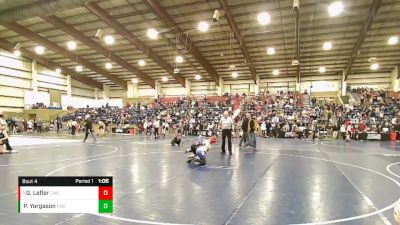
16, 79
327, 83
319, 84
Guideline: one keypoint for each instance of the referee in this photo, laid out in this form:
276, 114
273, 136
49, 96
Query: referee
226, 124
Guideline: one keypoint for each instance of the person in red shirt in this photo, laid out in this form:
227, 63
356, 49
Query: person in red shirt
362, 127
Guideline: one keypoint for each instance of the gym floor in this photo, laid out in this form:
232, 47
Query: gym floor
284, 182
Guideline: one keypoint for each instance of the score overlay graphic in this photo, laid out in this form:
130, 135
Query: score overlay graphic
65, 195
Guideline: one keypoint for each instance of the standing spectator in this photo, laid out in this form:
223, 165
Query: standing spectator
30, 126
74, 125
101, 128
264, 129
269, 126
226, 125
89, 128
39, 125
252, 132
245, 125
3, 122
145, 127
25, 124
335, 130
342, 132
34, 126
58, 121
69, 126
348, 132
3, 128
3, 139
156, 125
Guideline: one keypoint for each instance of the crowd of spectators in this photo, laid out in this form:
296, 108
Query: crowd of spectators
280, 115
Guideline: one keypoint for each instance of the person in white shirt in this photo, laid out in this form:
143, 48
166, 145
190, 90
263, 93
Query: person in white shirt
74, 125
226, 125
145, 127
264, 129
156, 126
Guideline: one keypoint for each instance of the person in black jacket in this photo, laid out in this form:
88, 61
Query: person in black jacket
245, 125
89, 128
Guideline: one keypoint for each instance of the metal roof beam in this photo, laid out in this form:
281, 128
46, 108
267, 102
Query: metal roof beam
113, 23
70, 30
8, 46
239, 38
56, 48
363, 34
167, 19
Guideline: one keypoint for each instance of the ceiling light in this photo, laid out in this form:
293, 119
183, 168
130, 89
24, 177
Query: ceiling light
152, 33
197, 77
39, 50
108, 65
58, 71
203, 26
179, 59
393, 40
165, 79
17, 53
235, 74
275, 72
264, 18
374, 66
327, 45
135, 81
71, 45
322, 69
109, 39
79, 68
335, 9
270, 51
142, 62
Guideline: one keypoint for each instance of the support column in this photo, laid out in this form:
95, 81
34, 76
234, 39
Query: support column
394, 81
298, 86
221, 87
136, 90
34, 84
106, 92
257, 86
130, 91
96, 94
69, 86
158, 90
343, 85
187, 86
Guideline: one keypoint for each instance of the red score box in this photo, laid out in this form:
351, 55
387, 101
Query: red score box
105, 192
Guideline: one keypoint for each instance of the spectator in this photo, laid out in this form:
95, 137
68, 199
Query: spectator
3, 139
252, 134
74, 126
39, 125
264, 129
245, 135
